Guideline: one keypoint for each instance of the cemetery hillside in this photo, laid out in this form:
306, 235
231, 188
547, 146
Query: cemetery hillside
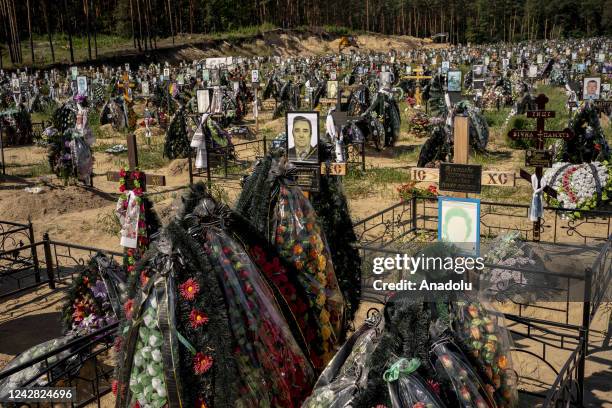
305, 204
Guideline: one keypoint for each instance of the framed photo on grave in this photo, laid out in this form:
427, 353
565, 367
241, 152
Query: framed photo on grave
459, 224
82, 85
505, 63
445, 66
540, 59
205, 75
302, 137
255, 76
167, 74
533, 71
15, 86
591, 88
333, 76
74, 72
180, 79
203, 99
215, 77
144, 88
454, 81
332, 89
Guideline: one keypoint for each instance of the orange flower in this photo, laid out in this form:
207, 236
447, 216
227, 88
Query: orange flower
502, 361
297, 249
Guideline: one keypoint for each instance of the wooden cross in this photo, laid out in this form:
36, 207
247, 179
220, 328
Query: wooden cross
126, 84
148, 179
539, 135
417, 93
461, 146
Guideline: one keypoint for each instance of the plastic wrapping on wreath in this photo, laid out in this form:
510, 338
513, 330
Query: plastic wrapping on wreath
347, 372
300, 239
82, 158
482, 333
147, 381
274, 370
410, 391
506, 250
147, 369
18, 379
451, 366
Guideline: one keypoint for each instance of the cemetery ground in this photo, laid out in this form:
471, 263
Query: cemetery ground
74, 213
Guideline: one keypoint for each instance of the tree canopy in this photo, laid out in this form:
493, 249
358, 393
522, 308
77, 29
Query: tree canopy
145, 21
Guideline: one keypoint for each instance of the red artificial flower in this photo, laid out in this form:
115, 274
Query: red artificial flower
118, 343
122, 188
130, 252
136, 405
202, 363
128, 307
122, 173
189, 289
434, 386
597, 146
248, 288
197, 318
115, 387
143, 278
135, 175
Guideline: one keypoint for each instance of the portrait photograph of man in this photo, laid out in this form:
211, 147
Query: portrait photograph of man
591, 88
302, 136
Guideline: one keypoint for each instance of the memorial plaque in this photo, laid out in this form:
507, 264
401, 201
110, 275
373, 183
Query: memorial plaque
535, 157
308, 177
461, 178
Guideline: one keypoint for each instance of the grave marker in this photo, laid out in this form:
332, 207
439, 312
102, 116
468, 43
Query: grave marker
149, 179
539, 135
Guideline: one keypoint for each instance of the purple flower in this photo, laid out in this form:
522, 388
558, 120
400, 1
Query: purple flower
99, 290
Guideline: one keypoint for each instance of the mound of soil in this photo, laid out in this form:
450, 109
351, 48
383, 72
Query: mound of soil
53, 201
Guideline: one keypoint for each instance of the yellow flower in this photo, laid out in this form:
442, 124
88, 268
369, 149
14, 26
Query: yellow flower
324, 315
322, 262
325, 332
321, 299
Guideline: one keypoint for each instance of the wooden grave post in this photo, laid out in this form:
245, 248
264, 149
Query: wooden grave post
539, 135
461, 148
148, 179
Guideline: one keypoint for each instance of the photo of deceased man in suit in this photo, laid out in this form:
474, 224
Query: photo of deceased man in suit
303, 136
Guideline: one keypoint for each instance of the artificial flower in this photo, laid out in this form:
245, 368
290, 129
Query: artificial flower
189, 289
197, 318
202, 363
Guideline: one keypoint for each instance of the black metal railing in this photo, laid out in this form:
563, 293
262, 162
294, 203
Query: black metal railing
230, 162
42, 263
81, 363
411, 224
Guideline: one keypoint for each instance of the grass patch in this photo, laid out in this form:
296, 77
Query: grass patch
360, 184
29, 170
108, 222
149, 157
496, 118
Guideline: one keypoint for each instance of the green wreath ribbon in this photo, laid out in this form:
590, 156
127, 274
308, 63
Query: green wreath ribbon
401, 366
